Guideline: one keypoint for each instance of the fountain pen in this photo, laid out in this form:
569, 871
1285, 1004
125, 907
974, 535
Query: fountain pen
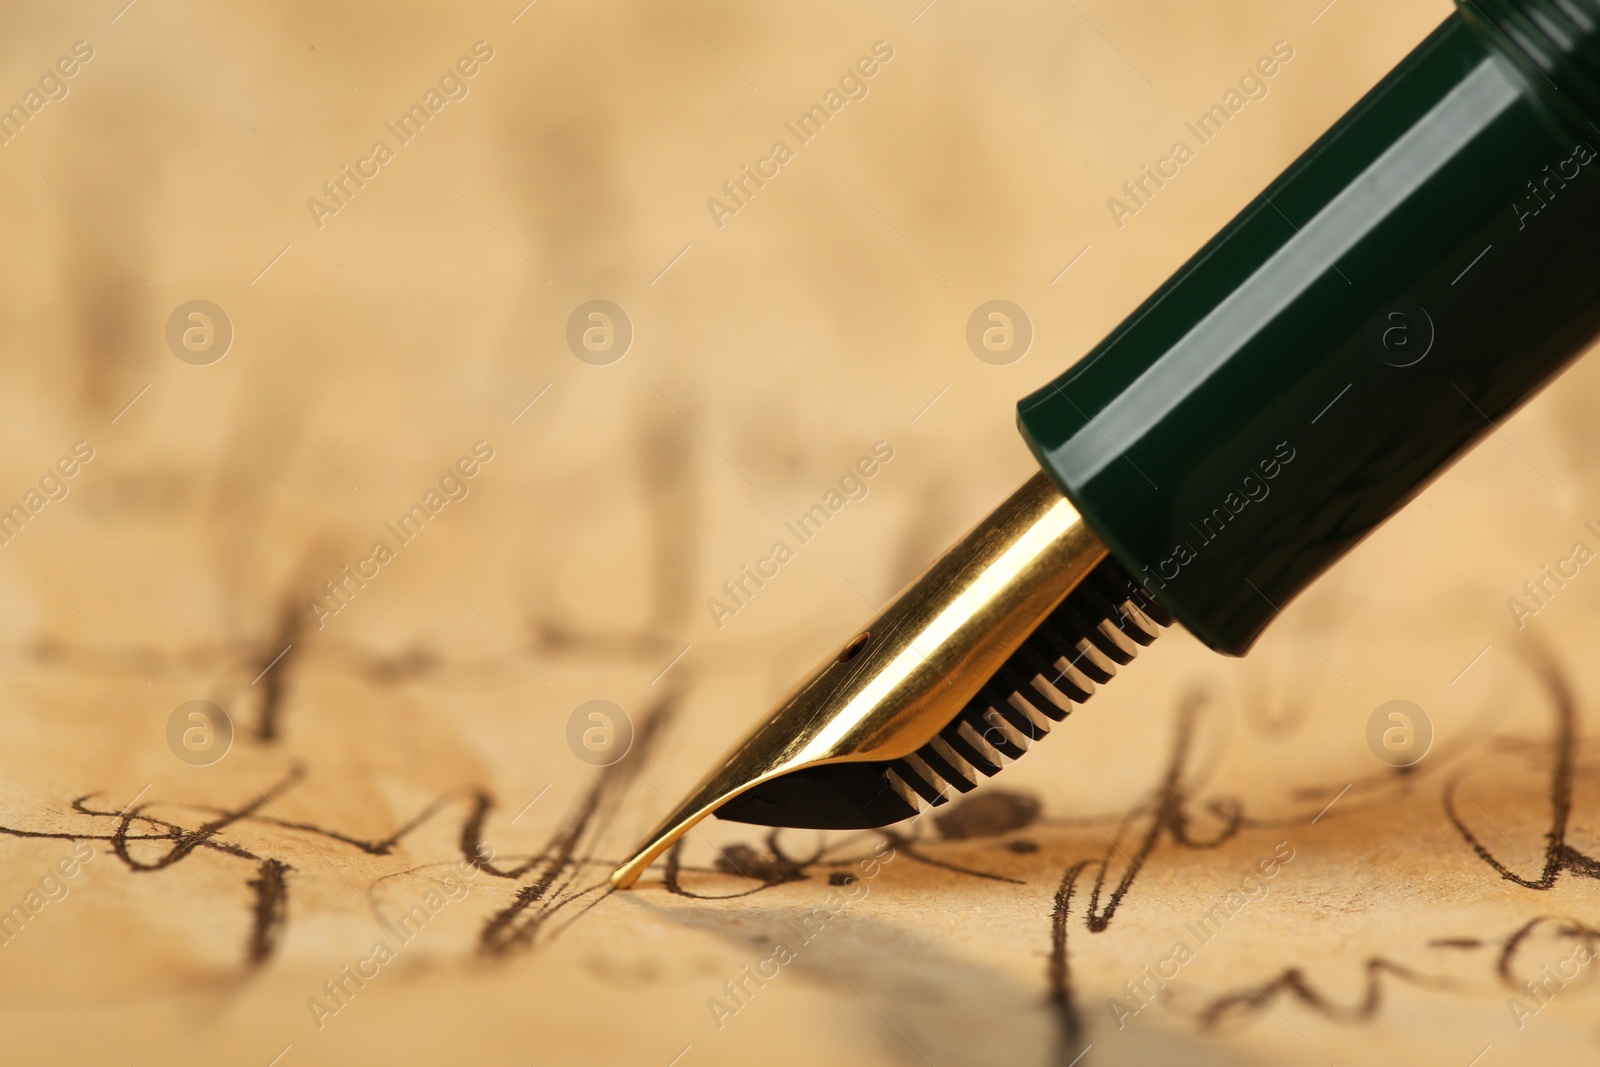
1410, 280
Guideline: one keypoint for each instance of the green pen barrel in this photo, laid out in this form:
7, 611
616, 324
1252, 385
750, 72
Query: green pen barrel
1407, 283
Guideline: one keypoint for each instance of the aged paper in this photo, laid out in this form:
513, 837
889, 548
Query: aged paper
337, 441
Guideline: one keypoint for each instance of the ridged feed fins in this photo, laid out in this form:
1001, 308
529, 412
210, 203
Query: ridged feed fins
1099, 626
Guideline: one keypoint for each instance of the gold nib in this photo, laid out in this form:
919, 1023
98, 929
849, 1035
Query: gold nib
916, 664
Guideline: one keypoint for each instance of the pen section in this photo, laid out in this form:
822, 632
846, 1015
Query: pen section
1409, 281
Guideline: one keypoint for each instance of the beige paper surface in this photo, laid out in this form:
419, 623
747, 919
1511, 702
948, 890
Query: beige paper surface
400, 856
